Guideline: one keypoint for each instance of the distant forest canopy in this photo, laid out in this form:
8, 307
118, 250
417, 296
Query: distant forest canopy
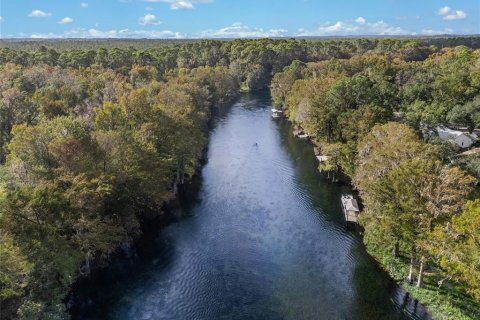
273, 54
96, 136
441, 41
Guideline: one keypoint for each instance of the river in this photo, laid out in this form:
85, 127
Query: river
264, 238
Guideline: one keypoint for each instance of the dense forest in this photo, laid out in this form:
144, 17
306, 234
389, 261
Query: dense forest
96, 137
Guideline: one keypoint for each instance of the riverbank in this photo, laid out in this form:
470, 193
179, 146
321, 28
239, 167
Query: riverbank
419, 193
84, 297
443, 303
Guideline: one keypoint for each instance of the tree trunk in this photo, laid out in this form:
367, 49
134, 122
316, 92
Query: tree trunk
87, 264
410, 273
182, 177
420, 273
440, 283
471, 126
396, 249
412, 262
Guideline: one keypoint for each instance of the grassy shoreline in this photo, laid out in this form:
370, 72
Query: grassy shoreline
445, 303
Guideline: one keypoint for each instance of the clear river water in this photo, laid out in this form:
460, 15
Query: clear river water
264, 238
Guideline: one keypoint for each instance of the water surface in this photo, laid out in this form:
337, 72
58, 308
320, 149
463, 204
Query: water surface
264, 239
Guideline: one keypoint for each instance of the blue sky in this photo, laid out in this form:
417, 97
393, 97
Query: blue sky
235, 18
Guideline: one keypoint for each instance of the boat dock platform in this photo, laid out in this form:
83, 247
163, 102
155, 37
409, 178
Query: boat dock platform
350, 208
300, 133
276, 113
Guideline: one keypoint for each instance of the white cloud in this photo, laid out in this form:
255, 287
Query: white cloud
1, 19
65, 20
238, 30
44, 36
149, 8
350, 28
359, 26
360, 20
39, 14
84, 5
444, 10
149, 19
457, 15
431, 32
103, 34
181, 4
449, 14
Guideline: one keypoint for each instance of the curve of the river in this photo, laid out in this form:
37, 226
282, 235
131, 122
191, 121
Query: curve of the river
265, 239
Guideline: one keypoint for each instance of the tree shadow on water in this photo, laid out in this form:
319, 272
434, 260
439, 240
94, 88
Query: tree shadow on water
374, 291
92, 298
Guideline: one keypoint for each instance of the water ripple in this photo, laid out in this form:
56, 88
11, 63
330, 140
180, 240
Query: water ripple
266, 241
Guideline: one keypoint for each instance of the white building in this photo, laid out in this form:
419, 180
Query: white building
459, 138
322, 158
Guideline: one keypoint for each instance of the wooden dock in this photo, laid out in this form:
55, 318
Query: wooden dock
350, 208
300, 133
276, 113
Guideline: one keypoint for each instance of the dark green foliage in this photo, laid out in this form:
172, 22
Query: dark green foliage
467, 114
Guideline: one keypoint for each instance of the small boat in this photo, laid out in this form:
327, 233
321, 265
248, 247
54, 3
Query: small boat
277, 113
350, 208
